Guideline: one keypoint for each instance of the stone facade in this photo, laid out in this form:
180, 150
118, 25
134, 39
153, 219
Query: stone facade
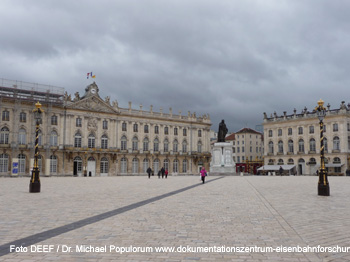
295, 140
88, 135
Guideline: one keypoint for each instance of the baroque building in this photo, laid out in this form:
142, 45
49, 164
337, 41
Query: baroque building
88, 135
295, 140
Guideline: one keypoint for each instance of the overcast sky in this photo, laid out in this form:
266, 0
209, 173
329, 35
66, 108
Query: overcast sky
233, 59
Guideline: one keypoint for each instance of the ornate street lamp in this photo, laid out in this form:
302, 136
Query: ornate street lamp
323, 185
34, 185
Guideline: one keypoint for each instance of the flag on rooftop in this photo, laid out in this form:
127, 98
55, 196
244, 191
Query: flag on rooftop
90, 74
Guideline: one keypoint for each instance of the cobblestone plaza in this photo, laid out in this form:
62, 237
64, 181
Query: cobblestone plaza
74, 216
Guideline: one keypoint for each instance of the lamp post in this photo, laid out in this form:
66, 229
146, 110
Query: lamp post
323, 185
34, 185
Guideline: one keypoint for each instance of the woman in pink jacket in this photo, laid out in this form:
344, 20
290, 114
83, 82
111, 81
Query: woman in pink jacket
203, 174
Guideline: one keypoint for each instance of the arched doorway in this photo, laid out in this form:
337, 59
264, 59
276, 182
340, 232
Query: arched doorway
78, 166
301, 166
91, 167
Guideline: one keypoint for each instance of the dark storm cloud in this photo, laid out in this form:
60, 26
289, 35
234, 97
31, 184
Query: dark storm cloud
231, 59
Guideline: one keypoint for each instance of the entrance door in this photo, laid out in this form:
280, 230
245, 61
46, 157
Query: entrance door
91, 167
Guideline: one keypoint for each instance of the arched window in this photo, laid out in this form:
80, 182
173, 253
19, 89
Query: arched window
135, 166
271, 161
21, 163
290, 146
77, 140
145, 144
156, 165
135, 143
22, 137
104, 142
123, 165
280, 162
301, 145
4, 163
336, 143
166, 164
199, 147
53, 138
91, 141
271, 147
79, 165
312, 161
175, 146
53, 164
312, 144
184, 166
156, 145
4, 135
280, 147
336, 160
166, 145
176, 166
123, 145
145, 165
290, 161
104, 165
184, 146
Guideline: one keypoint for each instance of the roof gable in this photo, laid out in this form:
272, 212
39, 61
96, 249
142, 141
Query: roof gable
92, 103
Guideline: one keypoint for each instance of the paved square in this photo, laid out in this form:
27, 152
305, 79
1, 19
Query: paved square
103, 213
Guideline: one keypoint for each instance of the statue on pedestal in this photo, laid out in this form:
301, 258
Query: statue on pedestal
222, 131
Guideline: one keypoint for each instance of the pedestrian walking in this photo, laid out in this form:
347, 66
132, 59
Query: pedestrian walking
149, 172
203, 174
281, 171
166, 173
163, 172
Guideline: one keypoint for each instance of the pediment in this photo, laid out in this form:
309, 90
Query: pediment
93, 103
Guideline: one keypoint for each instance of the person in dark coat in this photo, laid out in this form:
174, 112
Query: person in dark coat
149, 172
163, 172
281, 171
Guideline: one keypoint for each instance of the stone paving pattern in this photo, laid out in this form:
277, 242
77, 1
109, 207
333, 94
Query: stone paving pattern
231, 211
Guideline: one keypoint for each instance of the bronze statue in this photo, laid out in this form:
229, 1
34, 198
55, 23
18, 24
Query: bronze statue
222, 131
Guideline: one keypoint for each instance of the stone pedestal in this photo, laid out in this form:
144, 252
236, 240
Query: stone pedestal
222, 161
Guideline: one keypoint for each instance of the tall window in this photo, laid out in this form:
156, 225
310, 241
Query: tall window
123, 145
145, 144
311, 129
145, 165
5, 115
175, 131
166, 130
4, 163
40, 138
105, 124
325, 144
54, 120
104, 142
184, 166
270, 133
175, 146
156, 129
4, 135
22, 117
199, 147
21, 163
279, 132
290, 146
104, 165
271, 147
280, 147
312, 144
166, 145
123, 165
77, 140
124, 126
176, 166
135, 166
301, 145
290, 131
53, 164
53, 138
91, 141
145, 128
184, 132
336, 143
166, 164
156, 145
156, 165
184, 146
135, 143
78, 122
136, 127
335, 127
300, 130
22, 137
199, 133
